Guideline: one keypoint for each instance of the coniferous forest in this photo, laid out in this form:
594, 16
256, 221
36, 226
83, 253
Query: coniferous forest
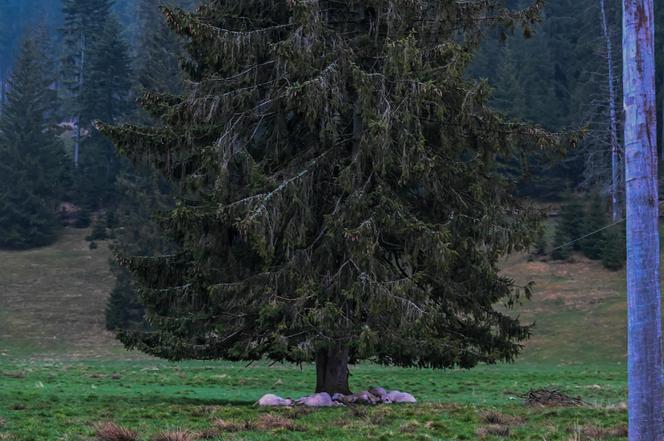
442, 204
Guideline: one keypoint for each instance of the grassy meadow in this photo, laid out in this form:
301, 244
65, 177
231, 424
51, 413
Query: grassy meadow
62, 374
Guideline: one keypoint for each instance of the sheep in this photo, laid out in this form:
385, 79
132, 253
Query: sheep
322, 399
273, 400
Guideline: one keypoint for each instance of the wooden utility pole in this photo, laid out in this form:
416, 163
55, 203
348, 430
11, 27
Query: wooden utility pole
643, 285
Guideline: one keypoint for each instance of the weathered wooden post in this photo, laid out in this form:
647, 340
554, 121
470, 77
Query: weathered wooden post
643, 286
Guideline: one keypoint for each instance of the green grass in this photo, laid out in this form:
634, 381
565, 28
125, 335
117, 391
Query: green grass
63, 401
57, 366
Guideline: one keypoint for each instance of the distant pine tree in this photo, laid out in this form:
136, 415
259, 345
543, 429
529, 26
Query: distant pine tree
614, 251
541, 243
124, 311
158, 67
510, 96
105, 96
595, 219
561, 249
32, 155
572, 215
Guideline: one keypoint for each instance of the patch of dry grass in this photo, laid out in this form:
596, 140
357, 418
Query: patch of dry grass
593, 432
497, 418
411, 426
109, 431
229, 426
268, 421
177, 435
493, 430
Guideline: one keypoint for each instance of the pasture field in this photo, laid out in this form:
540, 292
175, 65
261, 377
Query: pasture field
61, 373
42, 400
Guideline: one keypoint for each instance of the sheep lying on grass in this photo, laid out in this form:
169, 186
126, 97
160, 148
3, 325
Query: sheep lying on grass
376, 395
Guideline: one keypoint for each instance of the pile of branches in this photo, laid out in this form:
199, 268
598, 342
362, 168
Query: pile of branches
550, 398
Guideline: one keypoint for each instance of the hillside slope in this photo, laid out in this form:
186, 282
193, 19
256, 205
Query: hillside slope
52, 300
579, 310
52, 303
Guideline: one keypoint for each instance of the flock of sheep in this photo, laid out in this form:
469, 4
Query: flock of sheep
376, 395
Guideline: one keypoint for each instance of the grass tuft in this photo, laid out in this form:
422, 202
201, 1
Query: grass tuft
113, 432
493, 430
230, 425
409, 426
593, 432
493, 417
209, 434
178, 435
270, 421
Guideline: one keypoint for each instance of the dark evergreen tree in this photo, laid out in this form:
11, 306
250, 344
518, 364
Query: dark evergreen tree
613, 252
509, 95
340, 193
31, 152
142, 192
560, 71
562, 249
84, 23
596, 218
139, 233
17, 17
572, 215
99, 231
541, 243
106, 96
124, 310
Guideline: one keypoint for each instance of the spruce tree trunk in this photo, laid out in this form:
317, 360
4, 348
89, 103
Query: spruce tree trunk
644, 333
332, 370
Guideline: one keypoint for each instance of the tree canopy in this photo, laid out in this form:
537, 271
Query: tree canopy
30, 181
341, 193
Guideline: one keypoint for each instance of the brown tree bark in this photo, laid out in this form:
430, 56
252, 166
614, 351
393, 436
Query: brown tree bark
332, 370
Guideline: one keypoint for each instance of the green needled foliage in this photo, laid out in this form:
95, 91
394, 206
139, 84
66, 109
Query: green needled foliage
572, 216
596, 218
143, 192
104, 95
613, 252
32, 154
341, 198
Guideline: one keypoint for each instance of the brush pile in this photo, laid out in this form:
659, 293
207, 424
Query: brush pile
550, 398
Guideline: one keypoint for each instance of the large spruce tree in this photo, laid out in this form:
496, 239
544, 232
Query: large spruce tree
141, 191
341, 193
31, 153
